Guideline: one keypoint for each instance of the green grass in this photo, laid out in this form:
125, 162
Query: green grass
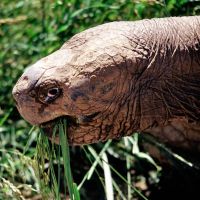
72, 187
60, 154
55, 154
48, 157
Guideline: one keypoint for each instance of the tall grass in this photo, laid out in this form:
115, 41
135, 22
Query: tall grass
60, 154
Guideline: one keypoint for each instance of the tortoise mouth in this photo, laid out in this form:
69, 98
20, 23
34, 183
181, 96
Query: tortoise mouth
48, 126
72, 122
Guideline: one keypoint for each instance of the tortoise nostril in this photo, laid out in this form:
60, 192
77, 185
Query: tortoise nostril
15, 95
25, 78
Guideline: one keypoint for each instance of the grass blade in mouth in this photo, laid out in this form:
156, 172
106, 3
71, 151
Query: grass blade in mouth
58, 154
66, 157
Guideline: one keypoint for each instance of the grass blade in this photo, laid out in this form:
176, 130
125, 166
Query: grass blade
76, 192
128, 165
66, 158
98, 157
30, 139
86, 175
108, 178
95, 155
121, 177
5, 116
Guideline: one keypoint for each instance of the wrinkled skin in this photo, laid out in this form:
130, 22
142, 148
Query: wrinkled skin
119, 78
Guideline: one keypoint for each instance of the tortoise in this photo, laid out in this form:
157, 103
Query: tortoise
119, 78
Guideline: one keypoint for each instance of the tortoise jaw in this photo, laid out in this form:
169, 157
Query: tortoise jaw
77, 128
48, 126
72, 121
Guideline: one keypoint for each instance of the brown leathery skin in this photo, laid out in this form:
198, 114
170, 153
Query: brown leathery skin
119, 78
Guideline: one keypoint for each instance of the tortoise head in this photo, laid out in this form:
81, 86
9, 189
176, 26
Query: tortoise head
86, 81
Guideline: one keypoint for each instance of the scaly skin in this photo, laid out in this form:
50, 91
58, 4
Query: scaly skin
119, 78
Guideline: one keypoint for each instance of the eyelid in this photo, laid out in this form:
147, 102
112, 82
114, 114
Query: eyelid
49, 99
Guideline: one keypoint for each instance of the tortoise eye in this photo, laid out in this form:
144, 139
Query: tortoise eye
53, 92
49, 95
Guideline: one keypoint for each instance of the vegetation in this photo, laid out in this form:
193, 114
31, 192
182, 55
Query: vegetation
30, 30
